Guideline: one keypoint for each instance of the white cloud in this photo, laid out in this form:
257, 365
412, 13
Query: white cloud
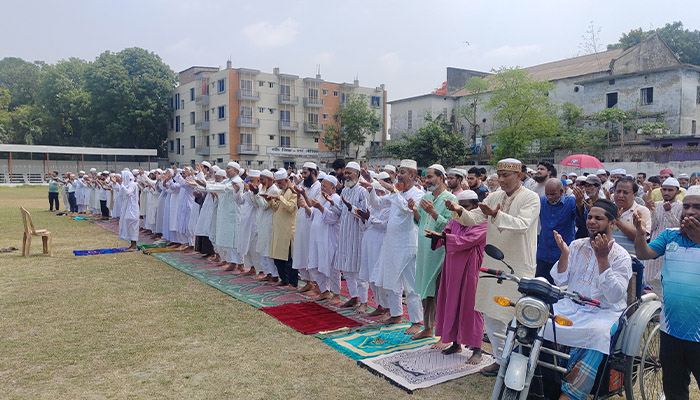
266, 34
509, 51
390, 62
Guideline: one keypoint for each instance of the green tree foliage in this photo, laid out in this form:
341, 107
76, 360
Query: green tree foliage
684, 42
522, 111
354, 121
436, 142
476, 87
22, 79
5, 116
573, 137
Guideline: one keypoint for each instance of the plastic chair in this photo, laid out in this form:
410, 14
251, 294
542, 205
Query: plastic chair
30, 231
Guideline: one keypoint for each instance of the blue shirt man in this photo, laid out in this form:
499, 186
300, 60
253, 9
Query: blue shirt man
557, 213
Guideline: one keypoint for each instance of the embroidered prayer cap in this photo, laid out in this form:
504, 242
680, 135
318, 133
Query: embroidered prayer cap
378, 186
390, 167
310, 165
467, 195
439, 168
206, 164
619, 171
693, 191
383, 175
601, 172
331, 179
93, 169
458, 171
254, 173
233, 164
220, 172
509, 164
322, 175
411, 164
267, 173
281, 174
671, 182
683, 176
353, 165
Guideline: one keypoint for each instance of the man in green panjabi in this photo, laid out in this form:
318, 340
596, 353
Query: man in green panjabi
433, 217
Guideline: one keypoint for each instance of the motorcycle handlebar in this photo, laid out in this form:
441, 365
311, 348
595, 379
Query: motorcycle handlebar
583, 299
491, 271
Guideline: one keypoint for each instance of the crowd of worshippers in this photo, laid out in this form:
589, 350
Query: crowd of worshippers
419, 238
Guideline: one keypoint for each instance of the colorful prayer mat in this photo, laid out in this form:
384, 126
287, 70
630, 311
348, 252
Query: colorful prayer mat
99, 251
376, 342
423, 367
310, 317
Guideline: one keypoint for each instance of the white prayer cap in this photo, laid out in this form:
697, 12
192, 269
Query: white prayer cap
458, 171
233, 164
158, 170
573, 174
215, 168
254, 173
467, 195
353, 165
93, 169
266, 173
629, 176
281, 174
581, 178
671, 182
242, 171
601, 172
332, 179
134, 171
439, 168
412, 164
569, 182
310, 165
618, 171
390, 167
105, 172
373, 174
206, 164
81, 172
383, 175
683, 176
322, 175
693, 191
153, 171
510, 164
530, 170
378, 186
220, 172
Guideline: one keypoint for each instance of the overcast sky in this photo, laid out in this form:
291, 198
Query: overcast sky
404, 44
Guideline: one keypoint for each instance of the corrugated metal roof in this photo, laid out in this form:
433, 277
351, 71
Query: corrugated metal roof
24, 148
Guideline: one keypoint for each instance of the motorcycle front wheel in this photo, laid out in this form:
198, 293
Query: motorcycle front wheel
509, 394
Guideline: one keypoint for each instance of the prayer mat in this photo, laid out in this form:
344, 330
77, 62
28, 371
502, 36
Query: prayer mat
161, 249
376, 342
423, 367
310, 317
99, 251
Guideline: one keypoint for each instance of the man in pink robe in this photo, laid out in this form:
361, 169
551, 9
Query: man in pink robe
457, 322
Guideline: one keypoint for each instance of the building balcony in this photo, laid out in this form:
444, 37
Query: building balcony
247, 122
288, 125
202, 150
248, 149
245, 94
313, 102
314, 128
201, 99
201, 126
287, 99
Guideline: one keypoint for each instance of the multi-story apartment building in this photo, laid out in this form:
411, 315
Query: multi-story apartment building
261, 120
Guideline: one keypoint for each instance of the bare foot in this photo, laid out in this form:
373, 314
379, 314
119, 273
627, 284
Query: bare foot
377, 312
230, 267
361, 309
455, 348
440, 346
314, 292
395, 320
354, 302
131, 249
251, 271
335, 300
287, 286
475, 357
308, 286
324, 296
490, 369
412, 330
424, 334
384, 316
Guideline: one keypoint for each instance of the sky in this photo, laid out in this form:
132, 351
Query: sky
405, 45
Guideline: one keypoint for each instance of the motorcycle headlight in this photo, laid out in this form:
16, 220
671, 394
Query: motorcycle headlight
531, 312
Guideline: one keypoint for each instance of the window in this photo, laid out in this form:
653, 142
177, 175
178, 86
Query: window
182, 103
261, 109
697, 96
192, 118
192, 162
261, 83
206, 115
219, 160
611, 82
647, 96
177, 101
313, 93
222, 139
221, 83
182, 127
325, 116
410, 120
170, 102
192, 144
222, 112
375, 101
272, 84
172, 123
692, 144
335, 93
285, 92
285, 141
272, 110
285, 115
325, 92
693, 127
178, 145
191, 94
246, 140
207, 137
315, 140
313, 118
247, 87
342, 98
247, 113
611, 99
177, 123
272, 137
171, 145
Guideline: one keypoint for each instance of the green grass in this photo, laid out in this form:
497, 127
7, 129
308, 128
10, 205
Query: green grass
130, 326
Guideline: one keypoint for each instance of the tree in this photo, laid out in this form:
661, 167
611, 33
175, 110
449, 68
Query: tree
573, 137
613, 120
5, 117
683, 42
476, 87
21, 78
354, 122
27, 120
522, 111
436, 142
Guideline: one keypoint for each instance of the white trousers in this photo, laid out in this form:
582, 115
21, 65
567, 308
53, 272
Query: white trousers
252, 259
304, 275
231, 255
327, 283
356, 286
492, 326
413, 301
268, 266
378, 298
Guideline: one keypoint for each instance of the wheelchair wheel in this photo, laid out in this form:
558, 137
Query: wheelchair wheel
633, 365
650, 385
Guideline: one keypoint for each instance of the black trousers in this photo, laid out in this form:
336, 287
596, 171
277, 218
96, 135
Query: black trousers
203, 245
288, 275
679, 358
73, 203
53, 199
543, 268
104, 209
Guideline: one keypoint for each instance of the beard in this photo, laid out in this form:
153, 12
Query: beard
592, 236
308, 181
350, 183
539, 179
431, 188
